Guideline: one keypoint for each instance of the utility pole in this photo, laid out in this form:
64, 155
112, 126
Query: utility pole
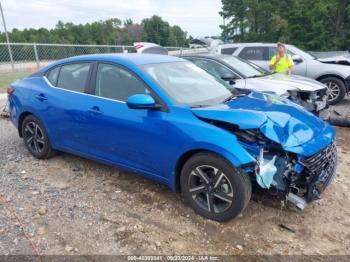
7, 38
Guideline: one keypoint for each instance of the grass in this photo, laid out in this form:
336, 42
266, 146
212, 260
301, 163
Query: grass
7, 78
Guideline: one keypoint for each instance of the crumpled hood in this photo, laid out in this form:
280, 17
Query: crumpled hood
281, 83
280, 120
341, 60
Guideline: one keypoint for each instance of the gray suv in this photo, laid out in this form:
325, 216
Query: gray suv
335, 73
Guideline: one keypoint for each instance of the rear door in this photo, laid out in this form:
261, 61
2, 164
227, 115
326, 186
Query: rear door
257, 54
65, 101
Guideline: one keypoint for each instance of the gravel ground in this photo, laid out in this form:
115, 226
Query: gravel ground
69, 205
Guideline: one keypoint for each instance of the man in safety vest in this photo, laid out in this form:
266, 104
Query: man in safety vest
281, 62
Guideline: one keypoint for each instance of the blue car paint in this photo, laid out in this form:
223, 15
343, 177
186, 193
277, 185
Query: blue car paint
141, 100
151, 142
280, 120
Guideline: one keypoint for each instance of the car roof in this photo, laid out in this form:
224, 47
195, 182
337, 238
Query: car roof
212, 56
136, 59
249, 44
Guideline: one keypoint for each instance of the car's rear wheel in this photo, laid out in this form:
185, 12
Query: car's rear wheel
214, 188
336, 89
35, 138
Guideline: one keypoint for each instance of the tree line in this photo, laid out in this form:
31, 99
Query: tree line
311, 25
109, 32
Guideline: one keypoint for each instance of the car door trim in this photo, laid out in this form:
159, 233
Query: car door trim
81, 93
89, 89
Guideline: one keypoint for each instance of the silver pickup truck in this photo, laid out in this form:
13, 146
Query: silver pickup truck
332, 71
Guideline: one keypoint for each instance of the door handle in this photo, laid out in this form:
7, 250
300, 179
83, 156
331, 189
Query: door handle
41, 97
95, 110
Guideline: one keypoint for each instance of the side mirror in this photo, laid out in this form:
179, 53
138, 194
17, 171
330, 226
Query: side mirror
297, 59
141, 101
229, 78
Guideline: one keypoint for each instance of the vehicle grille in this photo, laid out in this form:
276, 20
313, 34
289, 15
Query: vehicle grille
322, 168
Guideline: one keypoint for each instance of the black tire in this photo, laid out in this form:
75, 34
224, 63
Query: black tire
227, 192
35, 138
337, 89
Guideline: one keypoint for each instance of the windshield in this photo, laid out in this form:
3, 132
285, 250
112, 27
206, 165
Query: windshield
244, 67
300, 52
187, 84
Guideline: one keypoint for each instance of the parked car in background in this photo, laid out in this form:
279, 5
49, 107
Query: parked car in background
245, 75
167, 119
335, 73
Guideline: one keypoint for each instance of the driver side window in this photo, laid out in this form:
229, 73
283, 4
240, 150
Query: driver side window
273, 51
116, 83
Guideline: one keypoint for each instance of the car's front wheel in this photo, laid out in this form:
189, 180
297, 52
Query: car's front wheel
214, 188
35, 138
336, 89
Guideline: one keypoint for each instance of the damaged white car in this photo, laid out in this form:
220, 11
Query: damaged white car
243, 74
332, 71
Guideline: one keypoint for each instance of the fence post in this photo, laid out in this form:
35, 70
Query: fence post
36, 55
181, 51
7, 39
11, 57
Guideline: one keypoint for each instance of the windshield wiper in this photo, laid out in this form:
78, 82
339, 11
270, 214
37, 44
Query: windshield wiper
198, 106
231, 97
254, 76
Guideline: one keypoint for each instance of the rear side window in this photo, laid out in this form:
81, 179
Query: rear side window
74, 77
255, 53
52, 75
117, 83
228, 51
212, 67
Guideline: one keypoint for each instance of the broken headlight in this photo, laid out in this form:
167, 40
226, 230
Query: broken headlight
251, 136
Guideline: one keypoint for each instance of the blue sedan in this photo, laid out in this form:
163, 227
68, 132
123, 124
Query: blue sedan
166, 119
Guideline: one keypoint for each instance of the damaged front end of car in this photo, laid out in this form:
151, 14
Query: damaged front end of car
295, 151
313, 101
300, 179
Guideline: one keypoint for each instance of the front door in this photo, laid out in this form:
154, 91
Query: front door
118, 134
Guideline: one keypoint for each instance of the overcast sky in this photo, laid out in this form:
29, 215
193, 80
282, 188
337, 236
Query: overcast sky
197, 17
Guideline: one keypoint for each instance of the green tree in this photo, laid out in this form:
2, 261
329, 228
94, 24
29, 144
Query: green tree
109, 32
156, 30
312, 25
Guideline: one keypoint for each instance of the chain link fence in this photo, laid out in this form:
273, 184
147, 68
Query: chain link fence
15, 57
27, 57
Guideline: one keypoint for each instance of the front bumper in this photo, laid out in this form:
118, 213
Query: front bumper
315, 102
320, 170
347, 84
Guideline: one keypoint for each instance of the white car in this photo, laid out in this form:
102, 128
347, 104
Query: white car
332, 71
243, 74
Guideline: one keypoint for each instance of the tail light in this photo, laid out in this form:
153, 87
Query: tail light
10, 90
138, 45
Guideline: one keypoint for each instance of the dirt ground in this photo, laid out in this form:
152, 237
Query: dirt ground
69, 205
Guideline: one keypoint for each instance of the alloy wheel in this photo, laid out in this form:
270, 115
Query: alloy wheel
333, 90
210, 189
34, 137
